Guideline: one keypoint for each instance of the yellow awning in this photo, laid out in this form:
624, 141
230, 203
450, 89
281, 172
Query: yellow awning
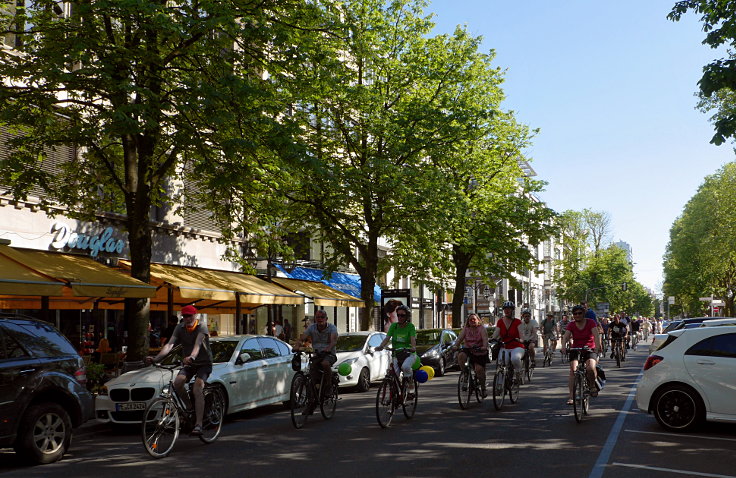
321, 293
17, 279
85, 276
198, 286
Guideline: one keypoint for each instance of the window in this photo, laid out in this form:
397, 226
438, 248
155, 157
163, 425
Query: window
42, 339
253, 349
269, 347
716, 346
9, 347
376, 340
283, 348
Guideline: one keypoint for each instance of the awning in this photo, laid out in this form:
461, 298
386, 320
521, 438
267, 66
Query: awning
214, 291
17, 279
85, 276
348, 283
320, 293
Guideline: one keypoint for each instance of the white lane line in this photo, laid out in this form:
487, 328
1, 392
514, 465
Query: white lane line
678, 435
670, 470
605, 454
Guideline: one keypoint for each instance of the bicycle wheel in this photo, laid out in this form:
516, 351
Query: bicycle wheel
385, 402
411, 398
464, 389
477, 386
578, 398
160, 427
529, 370
299, 399
617, 354
328, 401
499, 388
514, 385
214, 415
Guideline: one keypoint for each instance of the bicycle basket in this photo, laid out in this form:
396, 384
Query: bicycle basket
296, 362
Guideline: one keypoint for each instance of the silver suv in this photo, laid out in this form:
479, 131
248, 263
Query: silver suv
42, 389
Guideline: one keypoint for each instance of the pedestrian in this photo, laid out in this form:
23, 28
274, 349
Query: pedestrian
287, 330
278, 329
170, 326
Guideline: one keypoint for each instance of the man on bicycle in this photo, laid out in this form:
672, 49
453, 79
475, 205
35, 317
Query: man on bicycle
528, 332
324, 340
403, 337
617, 333
194, 338
549, 333
584, 333
475, 337
507, 330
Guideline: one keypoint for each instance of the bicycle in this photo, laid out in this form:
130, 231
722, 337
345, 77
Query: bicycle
634, 340
504, 382
468, 383
527, 364
618, 350
167, 415
549, 353
581, 391
304, 397
394, 392
604, 347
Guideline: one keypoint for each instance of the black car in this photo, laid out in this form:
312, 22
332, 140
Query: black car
42, 389
434, 347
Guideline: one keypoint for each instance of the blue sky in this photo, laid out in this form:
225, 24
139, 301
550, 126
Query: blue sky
611, 86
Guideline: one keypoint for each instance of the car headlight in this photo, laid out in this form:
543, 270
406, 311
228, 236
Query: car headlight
350, 361
433, 352
102, 390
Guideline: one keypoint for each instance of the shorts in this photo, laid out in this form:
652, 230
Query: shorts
480, 359
318, 357
532, 341
200, 371
550, 336
587, 354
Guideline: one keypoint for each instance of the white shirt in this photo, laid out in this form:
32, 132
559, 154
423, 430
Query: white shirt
527, 331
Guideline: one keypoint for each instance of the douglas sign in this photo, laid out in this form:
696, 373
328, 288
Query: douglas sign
105, 242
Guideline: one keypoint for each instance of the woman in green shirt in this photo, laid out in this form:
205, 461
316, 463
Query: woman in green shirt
403, 337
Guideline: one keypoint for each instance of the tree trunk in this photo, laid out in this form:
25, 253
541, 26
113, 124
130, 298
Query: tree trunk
367, 272
462, 261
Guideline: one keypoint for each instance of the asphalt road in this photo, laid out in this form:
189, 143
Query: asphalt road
536, 437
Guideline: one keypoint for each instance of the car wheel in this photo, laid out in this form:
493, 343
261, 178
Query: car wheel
364, 381
441, 368
678, 408
44, 434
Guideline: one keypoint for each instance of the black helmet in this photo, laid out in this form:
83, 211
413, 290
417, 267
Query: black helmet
508, 304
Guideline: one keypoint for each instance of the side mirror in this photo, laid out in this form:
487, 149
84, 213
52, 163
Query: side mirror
243, 357
371, 349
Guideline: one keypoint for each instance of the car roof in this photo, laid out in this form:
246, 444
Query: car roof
705, 330
360, 332
719, 322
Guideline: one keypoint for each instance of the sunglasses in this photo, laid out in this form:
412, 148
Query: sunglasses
400, 315
577, 313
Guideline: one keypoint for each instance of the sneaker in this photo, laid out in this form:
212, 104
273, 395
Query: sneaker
483, 393
196, 431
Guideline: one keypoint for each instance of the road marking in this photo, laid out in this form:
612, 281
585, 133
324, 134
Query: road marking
670, 470
605, 454
679, 435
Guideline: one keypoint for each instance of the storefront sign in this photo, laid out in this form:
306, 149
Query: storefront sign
105, 242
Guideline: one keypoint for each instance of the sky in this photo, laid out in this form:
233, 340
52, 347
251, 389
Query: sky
611, 86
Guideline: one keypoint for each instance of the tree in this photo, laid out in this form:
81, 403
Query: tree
139, 87
598, 224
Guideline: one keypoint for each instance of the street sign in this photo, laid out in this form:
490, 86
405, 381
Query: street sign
717, 303
706, 299
671, 300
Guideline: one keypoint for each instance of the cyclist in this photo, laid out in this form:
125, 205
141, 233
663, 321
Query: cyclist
403, 337
549, 332
475, 337
507, 330
635, 327
584, 333
194, 338
564, 321
617, 333
324, 340
646, 326
528, 332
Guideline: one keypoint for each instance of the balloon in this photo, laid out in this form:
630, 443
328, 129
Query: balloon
421, 376
429, 371
417, 364
344, 369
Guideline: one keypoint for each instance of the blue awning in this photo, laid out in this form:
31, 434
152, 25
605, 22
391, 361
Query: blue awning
348, 283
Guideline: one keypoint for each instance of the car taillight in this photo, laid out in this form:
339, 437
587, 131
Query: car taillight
652, 360
81, 375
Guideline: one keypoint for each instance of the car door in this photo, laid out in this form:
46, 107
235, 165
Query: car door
377, 361
711, 364
448, 337
17, 371
276, 369
250, 374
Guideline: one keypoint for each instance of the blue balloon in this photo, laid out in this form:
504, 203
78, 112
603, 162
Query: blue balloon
421, 376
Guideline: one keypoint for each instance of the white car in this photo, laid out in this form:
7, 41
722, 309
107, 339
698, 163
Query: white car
253, 370
358, 349
691, 378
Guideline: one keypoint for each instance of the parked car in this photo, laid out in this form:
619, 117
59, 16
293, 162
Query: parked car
691, 378
434, 346
252, 370
676, 325
358, 350
43, 393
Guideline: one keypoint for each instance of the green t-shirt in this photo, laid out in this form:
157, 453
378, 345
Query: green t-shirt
401, 336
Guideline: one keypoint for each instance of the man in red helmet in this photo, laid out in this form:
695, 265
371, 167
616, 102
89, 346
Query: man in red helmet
194, 338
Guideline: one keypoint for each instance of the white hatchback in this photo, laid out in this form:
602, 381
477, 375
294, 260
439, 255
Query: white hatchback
252, 370
358, 350
691, 378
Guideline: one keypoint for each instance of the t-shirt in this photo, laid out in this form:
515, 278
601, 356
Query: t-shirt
590, 314
187, 339
526, 330
549, 326
474, 337
321, 340
584, 337
401, 336
618, 330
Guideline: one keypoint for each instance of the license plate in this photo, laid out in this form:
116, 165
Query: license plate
124, 407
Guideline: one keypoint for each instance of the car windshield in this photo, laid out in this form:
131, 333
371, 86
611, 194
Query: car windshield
222, 350
672, 326
350, 343
428, 337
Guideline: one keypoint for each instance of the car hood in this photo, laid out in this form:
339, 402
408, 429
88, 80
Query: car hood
143, 375
422, 349
343, 356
